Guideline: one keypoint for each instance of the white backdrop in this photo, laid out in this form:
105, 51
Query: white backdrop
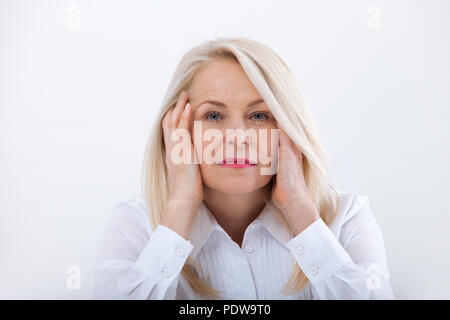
80, 82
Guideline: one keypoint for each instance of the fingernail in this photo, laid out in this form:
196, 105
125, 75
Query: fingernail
188, 105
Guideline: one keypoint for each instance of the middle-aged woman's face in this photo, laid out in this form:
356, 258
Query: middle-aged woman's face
222, 97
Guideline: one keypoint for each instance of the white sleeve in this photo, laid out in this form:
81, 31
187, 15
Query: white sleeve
134, 262
356, 269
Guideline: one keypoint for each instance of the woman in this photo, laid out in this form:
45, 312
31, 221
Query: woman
232, 229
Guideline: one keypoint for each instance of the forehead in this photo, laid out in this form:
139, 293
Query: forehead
223, 80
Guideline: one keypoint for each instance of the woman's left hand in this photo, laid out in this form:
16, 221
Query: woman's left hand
289, 192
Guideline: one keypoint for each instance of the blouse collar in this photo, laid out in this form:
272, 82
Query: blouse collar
205, 224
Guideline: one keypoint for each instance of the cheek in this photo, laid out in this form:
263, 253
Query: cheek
215, 147
211, 177
232, 181
205, 170
265, 142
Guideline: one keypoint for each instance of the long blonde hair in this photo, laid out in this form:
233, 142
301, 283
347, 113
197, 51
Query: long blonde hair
276, 85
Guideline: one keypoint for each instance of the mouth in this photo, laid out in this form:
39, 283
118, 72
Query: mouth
237, 163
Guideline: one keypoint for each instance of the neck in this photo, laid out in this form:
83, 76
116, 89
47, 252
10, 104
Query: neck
235, 211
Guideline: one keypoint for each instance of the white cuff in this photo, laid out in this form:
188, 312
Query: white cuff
164, 255
318, 252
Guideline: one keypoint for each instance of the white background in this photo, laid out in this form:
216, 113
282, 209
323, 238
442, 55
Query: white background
80, 82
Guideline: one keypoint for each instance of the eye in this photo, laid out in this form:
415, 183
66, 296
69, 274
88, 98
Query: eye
263, 114
212, 113
215, 116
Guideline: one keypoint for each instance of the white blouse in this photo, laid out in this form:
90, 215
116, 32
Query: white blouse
346, 260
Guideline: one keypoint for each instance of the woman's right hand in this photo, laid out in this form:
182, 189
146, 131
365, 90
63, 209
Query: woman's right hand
184, 179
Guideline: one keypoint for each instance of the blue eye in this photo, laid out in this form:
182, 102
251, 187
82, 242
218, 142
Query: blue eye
261, 113
211, 113
214, 116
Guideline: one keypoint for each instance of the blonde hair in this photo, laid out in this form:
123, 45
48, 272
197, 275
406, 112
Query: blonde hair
276, 85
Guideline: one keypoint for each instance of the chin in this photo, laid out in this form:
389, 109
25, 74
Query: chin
235, 189
235, 184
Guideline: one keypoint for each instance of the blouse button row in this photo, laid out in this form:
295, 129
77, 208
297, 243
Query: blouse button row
300, 251
167, 273
314, 270
179, 252
249, 248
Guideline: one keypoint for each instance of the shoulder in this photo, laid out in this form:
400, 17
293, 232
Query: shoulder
130, 213
350, 203
354, 210
126, 231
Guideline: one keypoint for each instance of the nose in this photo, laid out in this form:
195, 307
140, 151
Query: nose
239, 132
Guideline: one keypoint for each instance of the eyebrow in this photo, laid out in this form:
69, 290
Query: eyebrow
223, 105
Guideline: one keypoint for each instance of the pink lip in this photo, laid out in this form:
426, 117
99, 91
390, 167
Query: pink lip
233, 163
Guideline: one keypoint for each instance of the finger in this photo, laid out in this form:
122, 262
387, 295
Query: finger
166, 118
185, 119
185, 124
288, 144
285, 141
296, 150
165, 125
175, 118
300, 157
